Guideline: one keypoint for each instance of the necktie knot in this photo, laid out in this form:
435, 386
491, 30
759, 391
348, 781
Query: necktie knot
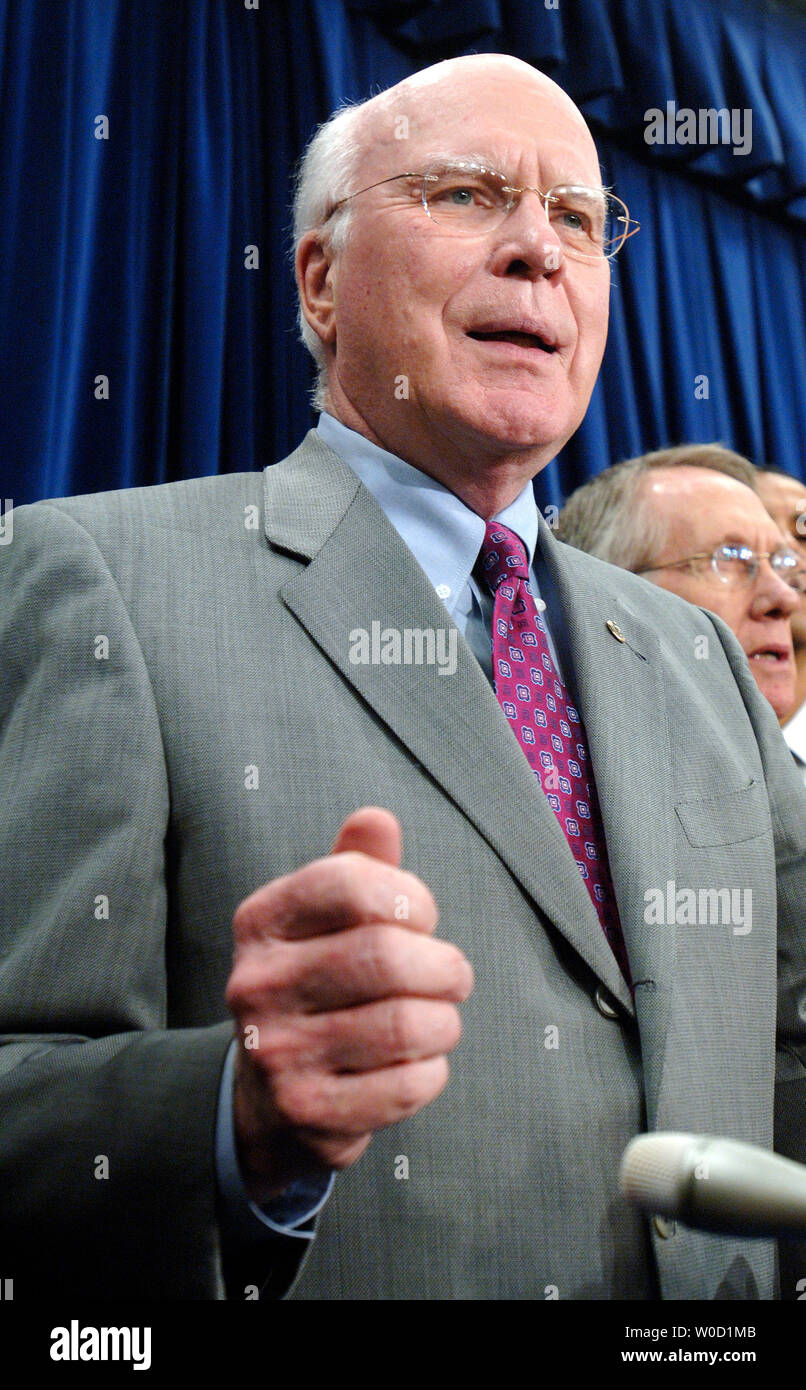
503, 555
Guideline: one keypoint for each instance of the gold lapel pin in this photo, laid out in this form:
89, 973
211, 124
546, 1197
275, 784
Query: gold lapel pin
616, 630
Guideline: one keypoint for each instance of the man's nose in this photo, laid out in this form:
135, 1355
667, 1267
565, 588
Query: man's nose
772, 593
526, 243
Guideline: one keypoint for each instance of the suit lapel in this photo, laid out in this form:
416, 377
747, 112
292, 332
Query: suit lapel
619, 688
359, 574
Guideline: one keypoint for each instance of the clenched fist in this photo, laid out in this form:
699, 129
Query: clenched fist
345, 1006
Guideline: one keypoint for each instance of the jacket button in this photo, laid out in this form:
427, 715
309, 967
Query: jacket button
605, 1002
663, 1227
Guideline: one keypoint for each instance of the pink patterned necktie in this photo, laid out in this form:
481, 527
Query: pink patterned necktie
547, 727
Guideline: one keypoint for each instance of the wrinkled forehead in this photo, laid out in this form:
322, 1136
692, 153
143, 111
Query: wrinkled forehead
518, 121
708, 507
745, 523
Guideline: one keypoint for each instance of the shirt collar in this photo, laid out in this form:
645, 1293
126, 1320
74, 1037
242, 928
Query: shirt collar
794, 731
443, 534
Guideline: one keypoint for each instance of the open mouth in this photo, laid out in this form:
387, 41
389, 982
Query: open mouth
524, 340
773, 654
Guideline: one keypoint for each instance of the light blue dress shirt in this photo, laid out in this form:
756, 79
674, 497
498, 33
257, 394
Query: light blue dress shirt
442, 533
445, 538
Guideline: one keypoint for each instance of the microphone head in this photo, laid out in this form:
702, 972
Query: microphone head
716, 1184
654, 1173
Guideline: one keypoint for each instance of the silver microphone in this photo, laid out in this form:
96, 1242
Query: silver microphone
715, 1184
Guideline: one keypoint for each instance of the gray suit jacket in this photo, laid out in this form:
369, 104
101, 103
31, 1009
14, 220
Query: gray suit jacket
217, 738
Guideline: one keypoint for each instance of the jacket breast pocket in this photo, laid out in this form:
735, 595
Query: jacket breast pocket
728, 819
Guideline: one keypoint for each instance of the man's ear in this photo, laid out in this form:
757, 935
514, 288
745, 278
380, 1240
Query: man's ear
313, 265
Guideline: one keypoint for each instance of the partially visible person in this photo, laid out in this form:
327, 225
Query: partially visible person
785, 500
689, 520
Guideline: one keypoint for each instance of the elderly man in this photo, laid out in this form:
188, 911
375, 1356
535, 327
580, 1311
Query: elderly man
202, 682
687, 518
785, 500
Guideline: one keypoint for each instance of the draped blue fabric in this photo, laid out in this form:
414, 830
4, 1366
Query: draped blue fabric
147, 311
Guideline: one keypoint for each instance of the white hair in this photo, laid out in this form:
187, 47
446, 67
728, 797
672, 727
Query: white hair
326, 174
612, 516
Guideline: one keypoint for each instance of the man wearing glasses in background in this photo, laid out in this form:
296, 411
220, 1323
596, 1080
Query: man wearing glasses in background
785, 500
689, 519
276, 689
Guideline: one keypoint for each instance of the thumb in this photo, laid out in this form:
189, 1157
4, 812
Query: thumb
371, 830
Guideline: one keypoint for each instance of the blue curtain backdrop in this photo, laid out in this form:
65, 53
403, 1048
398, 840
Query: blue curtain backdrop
124, 244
